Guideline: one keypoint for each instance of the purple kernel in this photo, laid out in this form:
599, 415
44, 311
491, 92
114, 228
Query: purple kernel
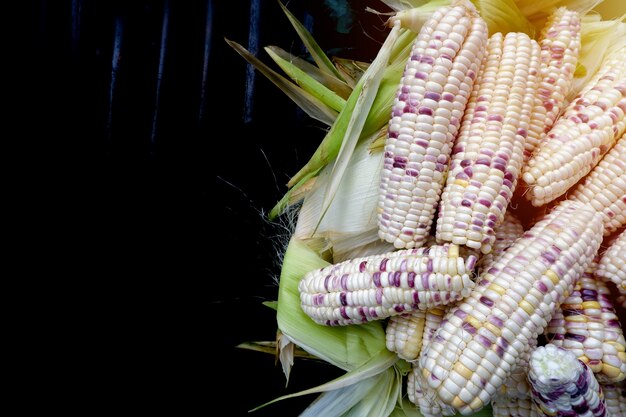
486, 301
343, 299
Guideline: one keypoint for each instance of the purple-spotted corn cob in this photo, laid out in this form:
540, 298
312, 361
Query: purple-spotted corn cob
488, 154
586, 324
380, 286
514, 407
506, 234
581, 136
564, 386
560, 46
612, 265
426, 115
483, 336
605, 187
615, 398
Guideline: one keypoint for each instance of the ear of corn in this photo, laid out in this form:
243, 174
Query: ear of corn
615, 398
586, 324
562, 385
514, 407
404, 334
605, 188
422, 395
612, 265
380, 286
506, 234
516, 386
588, 128
483, 336
488, 153
560, 46
425, 117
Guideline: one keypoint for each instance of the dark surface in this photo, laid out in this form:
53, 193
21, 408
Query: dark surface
170, 236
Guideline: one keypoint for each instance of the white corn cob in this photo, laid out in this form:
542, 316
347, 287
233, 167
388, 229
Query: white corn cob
615, 398
605, 187
586, 324
612, 265
380, 286
564, 386
506, 234
488, 154
588, 128
514, 407
404, 334
560, 46
426, 115
516, 386
483, 336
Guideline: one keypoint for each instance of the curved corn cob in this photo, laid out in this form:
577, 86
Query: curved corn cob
615, 399
380, 286
612, 265
605, 187
560, 46
426, 115
482, 337
404, 334
514, 407
506, 234
562, 385
588, 128
488, 154
586, 324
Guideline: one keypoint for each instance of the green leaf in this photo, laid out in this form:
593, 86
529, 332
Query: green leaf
504, 16
292, 196
346, 347
316, 52
308, 83
340, 87
271, 304
309, 104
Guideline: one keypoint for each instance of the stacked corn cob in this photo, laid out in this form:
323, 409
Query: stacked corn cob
612, 265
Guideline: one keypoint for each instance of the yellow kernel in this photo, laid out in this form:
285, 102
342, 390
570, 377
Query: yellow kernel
458, 402
462, 183
552, 276
592, 305
610, 371
476, 404
493, 329
471, 320
496, 288
577, 318
463, 370
527, 307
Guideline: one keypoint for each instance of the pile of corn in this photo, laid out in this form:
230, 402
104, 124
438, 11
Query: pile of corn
472, 244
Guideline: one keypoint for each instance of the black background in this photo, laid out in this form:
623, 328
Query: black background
168, 239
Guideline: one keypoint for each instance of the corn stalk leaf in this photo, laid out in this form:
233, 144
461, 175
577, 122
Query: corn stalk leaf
340, 87
368, 88
294, 194
309, 104
379, 363
504, 16
308, 83
346, 347
314, 49
382, 400
351, 70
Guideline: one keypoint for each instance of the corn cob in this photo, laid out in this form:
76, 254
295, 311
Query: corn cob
588, 128
612, 265
605, 187
404, 334
560, 46
482, 337
380, 286
586, 324
516, 386
488, 154
562, 385
426, 115
514, 407
506, 233
422, 395
615, 398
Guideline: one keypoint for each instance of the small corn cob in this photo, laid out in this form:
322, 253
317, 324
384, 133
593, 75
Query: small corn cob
605, 187
404, 334
588, 128
483, 336
424, 396
560, 46
506, 234
586, 324
564, 386
615, 398
612, 265
426, 115
380, 286
514, 407
488, 154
